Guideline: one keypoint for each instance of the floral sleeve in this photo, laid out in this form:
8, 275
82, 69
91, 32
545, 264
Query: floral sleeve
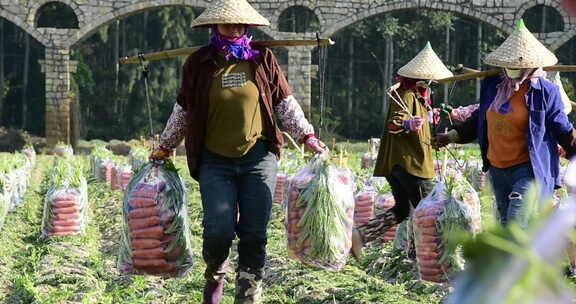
175, 129
292, 118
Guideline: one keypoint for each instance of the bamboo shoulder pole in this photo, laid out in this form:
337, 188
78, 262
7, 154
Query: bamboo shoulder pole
467, 76
190, 50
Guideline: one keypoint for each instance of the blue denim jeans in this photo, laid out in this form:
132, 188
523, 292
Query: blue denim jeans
510, 185
232, 187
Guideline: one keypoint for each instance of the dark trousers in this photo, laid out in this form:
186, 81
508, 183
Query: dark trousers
230, 187
408, 190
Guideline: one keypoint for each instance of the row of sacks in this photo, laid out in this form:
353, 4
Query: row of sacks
15, 171
107, 168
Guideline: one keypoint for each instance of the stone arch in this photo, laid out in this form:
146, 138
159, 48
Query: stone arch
24, 26
563, 39
92, 25
550, 3
69, 21
295, 10
284, 5
454, 8
555, 16
35, 8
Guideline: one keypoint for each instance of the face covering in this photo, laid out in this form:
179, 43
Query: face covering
513, 73
238, 48
508, 86
420, 86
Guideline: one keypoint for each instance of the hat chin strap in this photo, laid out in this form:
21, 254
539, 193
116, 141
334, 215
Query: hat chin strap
513, 73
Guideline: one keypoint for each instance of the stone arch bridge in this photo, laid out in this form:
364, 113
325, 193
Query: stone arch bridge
333, 16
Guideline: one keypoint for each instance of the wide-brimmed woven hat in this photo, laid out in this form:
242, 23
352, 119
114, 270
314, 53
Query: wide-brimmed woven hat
230, 12
521, 51
426, 65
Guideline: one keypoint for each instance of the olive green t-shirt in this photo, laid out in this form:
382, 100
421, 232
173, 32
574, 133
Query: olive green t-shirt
235, 120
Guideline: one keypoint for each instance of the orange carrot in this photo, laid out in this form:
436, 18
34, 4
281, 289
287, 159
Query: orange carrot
143, 222
170, 269
137, 202
363, 209
64, 216
426, 248
66, 223
64, 204
145, 243
426, 221
428, 231
428, 255
144, 193
67, 210
66, 197
430, 270
429, 239
144, 263
433, 278
428, 262
364, 214
156, 232
143, 212
66, 228
436, 210
148, 253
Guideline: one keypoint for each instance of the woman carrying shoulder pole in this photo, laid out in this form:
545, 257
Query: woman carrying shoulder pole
518, 125
405, 157
227, 110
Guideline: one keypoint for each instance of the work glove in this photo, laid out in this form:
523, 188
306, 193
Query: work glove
442, 140
413, 124
316, 145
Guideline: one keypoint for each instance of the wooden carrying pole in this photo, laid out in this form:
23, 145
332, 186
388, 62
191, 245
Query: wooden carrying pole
474, 75
190, 50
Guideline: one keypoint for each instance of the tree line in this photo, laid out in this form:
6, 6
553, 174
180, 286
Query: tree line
359, 68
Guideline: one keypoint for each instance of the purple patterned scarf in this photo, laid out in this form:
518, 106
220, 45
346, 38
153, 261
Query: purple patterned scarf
508, 86
238, 48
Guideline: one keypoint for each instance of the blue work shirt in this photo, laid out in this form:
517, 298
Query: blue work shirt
547, 121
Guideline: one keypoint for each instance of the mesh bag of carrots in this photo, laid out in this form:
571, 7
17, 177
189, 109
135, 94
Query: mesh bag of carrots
452, 207
320, 211
156, 234
4, 208
138, 157
66, 201
62, 149
280, 187
364, 206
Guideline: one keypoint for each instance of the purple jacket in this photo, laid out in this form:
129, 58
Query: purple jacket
548, 127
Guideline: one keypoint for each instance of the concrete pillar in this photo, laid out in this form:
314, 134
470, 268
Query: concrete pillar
299, 69
57, 67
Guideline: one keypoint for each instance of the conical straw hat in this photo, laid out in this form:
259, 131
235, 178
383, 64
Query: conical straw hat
521, 51
426, 65
230, 12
